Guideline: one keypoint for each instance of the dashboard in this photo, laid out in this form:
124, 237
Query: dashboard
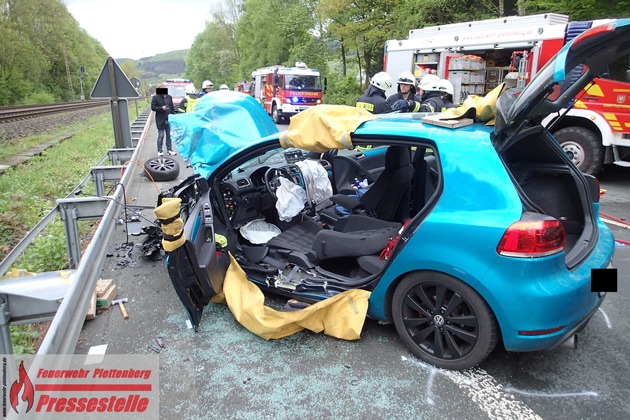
244, 189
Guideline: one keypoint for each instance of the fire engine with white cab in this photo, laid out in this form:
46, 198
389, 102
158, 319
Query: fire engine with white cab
476, 56
285, 91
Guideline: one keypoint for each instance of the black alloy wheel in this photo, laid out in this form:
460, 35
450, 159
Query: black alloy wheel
443, 321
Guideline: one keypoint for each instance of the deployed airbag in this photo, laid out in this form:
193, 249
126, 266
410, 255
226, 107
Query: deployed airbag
291, 198
259, 231
318, 187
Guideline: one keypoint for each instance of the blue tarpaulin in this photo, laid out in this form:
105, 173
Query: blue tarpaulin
222, 123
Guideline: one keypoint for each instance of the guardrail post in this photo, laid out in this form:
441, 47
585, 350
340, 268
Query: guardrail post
74, 209
69, 217
100, 174
120, 156
6, 346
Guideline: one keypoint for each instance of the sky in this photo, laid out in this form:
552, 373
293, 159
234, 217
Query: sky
142, 28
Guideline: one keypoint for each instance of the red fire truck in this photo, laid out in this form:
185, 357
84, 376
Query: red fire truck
476, 56
177, 89
243, 87
285, 91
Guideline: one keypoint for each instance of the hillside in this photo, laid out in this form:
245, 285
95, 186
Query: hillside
159, 67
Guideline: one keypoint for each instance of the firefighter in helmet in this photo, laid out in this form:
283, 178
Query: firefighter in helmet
426, 80
224, 87
431, 96
447, 90
405, 99
374, 98
190, 101
206, 87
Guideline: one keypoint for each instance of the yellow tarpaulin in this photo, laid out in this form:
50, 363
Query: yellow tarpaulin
482, 108
341, 316
324, 127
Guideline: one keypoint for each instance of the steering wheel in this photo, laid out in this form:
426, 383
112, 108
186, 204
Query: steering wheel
272, 180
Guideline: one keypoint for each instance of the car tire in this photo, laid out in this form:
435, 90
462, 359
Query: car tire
457, 333
275, 115
162, 168
583, 147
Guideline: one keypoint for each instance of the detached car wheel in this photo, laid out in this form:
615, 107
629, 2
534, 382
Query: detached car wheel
583, 147
443, 321
162, 168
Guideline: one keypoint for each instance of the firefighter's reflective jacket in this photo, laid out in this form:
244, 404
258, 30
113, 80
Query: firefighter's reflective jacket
374, 101
189, 103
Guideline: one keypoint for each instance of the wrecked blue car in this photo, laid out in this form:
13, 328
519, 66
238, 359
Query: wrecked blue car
464, 237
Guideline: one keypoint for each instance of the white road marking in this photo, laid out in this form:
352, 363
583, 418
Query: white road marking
483, 390
551, 394
430, 400
608, 324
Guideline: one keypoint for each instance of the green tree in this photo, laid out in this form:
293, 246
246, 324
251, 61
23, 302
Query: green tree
276, 32
580, 10
214, 54
42, 50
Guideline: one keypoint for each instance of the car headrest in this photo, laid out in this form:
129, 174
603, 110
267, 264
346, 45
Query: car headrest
397, 157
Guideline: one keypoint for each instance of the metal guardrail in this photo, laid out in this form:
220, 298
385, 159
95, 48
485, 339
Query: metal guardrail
64, 330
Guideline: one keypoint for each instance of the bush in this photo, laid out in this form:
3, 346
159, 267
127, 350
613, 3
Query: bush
40, 97
342, 90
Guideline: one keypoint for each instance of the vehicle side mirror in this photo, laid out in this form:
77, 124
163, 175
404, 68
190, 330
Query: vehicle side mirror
325, 85
276, 80
628, 75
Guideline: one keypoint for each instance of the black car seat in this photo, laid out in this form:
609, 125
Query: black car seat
308, 243
388, 197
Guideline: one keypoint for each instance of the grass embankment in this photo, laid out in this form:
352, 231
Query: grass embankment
29, 191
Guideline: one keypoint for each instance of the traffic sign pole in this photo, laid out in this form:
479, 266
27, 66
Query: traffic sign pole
112, 83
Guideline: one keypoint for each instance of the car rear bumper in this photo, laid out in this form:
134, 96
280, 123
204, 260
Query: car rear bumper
539, 304
579, 326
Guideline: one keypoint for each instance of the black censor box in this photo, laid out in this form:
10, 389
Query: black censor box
603, 280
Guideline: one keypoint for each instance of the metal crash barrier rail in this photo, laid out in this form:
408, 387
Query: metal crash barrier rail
70, 293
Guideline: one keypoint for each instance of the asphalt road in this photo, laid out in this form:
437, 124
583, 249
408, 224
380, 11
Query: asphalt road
223, 371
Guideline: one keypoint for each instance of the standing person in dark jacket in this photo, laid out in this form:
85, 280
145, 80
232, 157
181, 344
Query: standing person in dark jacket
162, 104
405, 99
374, 99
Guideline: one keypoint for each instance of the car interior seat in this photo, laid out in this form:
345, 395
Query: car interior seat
388, 197
307, 243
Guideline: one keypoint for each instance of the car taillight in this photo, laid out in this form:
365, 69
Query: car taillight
532, 238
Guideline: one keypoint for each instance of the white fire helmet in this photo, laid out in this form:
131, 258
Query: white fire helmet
406, 78
445, 86
429, 83
381, 80
207, 84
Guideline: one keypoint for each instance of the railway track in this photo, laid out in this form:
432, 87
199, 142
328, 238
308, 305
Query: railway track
23, 112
